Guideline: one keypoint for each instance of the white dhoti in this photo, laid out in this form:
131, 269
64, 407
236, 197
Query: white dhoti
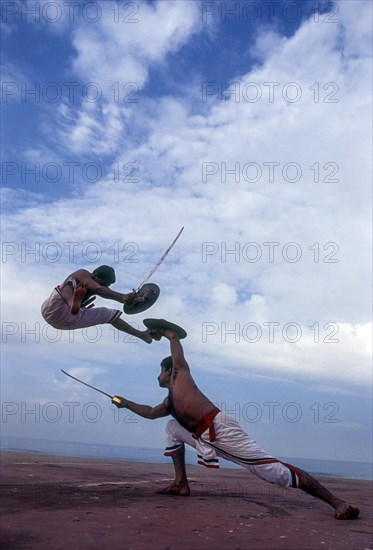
234, 444
177, 436
57, 313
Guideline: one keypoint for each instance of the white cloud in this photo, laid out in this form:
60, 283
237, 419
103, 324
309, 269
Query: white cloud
113, 59
95, 129
118, 51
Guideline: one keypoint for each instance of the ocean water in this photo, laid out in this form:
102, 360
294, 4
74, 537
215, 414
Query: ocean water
333, 468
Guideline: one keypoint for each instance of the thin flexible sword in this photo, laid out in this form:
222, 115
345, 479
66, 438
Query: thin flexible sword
159, 261
113, 398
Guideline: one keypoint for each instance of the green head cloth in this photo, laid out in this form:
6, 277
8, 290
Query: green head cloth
105, 273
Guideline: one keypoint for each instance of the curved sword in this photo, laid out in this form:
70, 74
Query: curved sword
114, 399
85, 383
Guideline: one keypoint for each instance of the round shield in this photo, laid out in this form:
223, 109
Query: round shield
154, 324
144, 299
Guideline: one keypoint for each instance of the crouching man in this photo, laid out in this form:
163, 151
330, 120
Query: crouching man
197, 422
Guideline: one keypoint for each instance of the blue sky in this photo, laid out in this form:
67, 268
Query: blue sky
122, 122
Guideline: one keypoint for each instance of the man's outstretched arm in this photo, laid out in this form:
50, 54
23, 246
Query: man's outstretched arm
146, 411
85, 278
177, 352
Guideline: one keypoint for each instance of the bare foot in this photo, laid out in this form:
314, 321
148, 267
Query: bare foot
346, 511
145, 336
79, 292
175, 489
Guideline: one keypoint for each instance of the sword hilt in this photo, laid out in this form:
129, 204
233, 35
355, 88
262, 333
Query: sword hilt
117, 402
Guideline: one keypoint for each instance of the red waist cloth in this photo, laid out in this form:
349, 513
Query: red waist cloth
206, 422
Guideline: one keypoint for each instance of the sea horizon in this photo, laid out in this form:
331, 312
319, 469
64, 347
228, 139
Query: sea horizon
324, 467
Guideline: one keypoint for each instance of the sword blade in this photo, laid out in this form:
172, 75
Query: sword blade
85, 383
159, 261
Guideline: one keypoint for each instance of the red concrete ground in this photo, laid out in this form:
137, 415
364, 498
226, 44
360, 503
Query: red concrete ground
51, 503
